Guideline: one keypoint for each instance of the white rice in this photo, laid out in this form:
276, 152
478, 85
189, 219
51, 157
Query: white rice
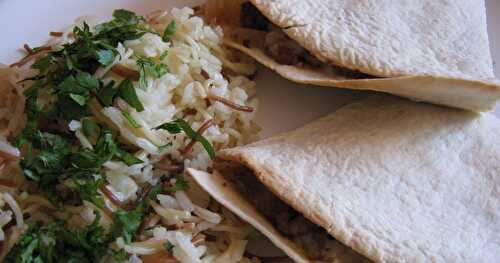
195, 71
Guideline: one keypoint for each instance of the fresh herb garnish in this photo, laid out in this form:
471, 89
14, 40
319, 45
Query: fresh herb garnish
128, 94
87, 190
126, 25
57, 242
147, 66
80, 99
119, 255
155, 190
59, 93
131, 120
168, 246
179, 125
126, 223
105, 56
55, 161
169, 31
67, 73
127, 158
163, 55
162, 148
107, 94
91, 130
171, 127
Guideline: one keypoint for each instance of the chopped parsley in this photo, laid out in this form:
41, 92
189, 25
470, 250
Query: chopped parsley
163, 55
179, 125
55, 161
148, 67
91, 130
169, 31
107, 94
131, 120
67, 74
57, 242
127, 92
119, 255
126, 223
62, 169
168, 246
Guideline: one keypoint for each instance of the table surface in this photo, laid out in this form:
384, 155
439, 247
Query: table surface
28, 21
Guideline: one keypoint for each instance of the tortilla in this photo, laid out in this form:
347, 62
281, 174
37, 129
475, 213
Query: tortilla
434, 51
396, 181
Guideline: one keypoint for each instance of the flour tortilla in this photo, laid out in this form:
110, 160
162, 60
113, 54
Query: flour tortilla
430, 50
396, 181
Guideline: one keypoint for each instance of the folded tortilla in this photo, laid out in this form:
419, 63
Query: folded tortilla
429, 50
392, 180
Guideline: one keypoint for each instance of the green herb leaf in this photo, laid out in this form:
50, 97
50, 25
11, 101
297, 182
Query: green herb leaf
119, 255
180, 185
124, 15
68, 109
155, 190
87, 81
131, 120
164, 54
162, 148
107, 148
143, 63
147, 66
172, 127
81, 100
169, 31
128, 158
87, 159
42, 63
53, 154
168, 246
128, 94
71, 85
159, 70
57, 242
107, 94
127, 223
143, 82
105, 56
87, 189
176, 126
91, 130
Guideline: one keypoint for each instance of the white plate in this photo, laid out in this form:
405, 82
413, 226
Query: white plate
284, 105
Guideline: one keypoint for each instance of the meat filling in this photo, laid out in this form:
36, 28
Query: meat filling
317, 244
283, 49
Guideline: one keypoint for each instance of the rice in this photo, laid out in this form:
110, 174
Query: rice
182, 89
196, 65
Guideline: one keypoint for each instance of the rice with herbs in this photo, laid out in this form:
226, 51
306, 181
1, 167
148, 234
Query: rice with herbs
112, 114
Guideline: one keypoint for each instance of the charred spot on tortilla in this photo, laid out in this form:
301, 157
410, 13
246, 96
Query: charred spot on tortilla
315, 241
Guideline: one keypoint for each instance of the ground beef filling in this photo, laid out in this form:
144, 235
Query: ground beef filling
283, 49
317, 244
